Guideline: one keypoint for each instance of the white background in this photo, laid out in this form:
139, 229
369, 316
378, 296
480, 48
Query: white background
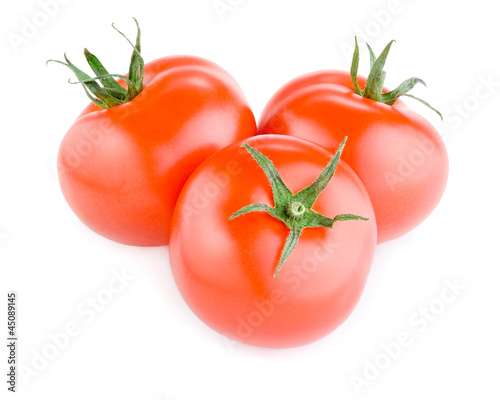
146, 343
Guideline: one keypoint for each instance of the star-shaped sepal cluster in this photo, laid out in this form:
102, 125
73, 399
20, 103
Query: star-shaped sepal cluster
295, 210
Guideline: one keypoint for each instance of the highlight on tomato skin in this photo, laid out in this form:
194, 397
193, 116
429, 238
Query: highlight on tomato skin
123, 162
397, 153
225, 269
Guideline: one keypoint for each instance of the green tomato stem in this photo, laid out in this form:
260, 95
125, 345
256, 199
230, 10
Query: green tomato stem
103, 89
375, 81
295, 210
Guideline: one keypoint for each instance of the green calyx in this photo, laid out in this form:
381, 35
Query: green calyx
103, 89
376, 77
294, 210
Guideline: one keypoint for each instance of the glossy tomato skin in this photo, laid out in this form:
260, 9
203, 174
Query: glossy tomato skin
122, 169
224, 268
398, 154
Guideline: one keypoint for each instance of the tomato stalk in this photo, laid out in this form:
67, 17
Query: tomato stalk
295, 210
375, 82
106, 90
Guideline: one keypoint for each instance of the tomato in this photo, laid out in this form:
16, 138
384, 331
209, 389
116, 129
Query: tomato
398, 154
225, 268
122, 168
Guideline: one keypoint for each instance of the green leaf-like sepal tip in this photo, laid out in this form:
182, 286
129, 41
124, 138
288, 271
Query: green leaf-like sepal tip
294, 210
376, 77
103, 89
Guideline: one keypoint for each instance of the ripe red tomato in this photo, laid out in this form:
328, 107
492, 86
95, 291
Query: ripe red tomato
398, 154
122, 168
225, 268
